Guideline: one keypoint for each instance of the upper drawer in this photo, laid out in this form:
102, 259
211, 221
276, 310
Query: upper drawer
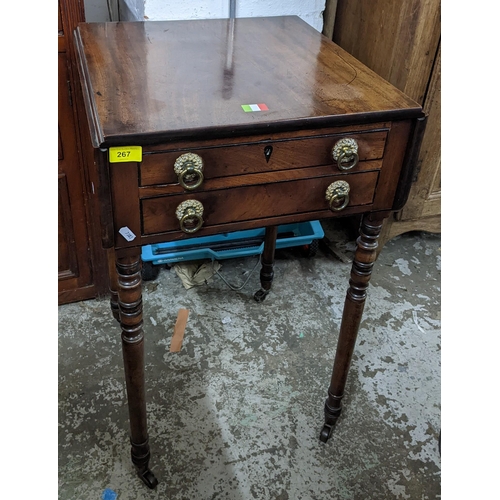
262, 156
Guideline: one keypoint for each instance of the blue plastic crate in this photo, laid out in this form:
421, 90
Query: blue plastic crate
230, 245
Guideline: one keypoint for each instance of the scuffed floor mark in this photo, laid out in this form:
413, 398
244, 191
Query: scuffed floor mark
403, 266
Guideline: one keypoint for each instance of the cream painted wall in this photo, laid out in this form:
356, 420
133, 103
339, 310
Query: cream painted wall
310, 11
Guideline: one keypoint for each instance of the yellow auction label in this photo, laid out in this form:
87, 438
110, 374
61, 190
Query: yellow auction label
125, 153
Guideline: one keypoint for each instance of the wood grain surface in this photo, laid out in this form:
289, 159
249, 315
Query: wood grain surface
156, 80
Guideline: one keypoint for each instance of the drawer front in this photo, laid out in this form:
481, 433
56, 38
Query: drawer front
264, 156
255, 202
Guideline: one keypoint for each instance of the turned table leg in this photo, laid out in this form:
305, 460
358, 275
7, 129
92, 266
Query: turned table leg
267, 260
128, 270
366, 253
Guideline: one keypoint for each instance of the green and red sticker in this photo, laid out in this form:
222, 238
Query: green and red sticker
248, 108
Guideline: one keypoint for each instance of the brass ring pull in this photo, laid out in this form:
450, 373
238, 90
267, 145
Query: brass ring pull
345, 153
337, 195
189, 170
190, 216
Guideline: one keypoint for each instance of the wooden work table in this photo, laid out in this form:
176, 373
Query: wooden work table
212, 126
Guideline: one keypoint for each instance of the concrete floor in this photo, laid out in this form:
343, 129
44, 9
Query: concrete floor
237, 412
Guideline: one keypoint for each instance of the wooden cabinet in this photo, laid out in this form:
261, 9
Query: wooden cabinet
81, 270
401, 41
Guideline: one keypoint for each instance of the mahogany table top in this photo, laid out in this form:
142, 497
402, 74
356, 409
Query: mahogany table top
158, 80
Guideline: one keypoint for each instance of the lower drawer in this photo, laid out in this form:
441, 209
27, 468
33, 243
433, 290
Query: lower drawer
248, 203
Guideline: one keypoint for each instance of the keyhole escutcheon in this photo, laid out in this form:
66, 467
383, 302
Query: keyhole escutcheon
268, 151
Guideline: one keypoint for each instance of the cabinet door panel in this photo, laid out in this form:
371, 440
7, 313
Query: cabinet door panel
401, 41
425, 195
82, 271
74, 258
67, 263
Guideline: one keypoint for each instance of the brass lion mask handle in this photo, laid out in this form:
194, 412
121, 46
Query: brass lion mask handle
337, 195
189, 170
345, 153
190, 216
